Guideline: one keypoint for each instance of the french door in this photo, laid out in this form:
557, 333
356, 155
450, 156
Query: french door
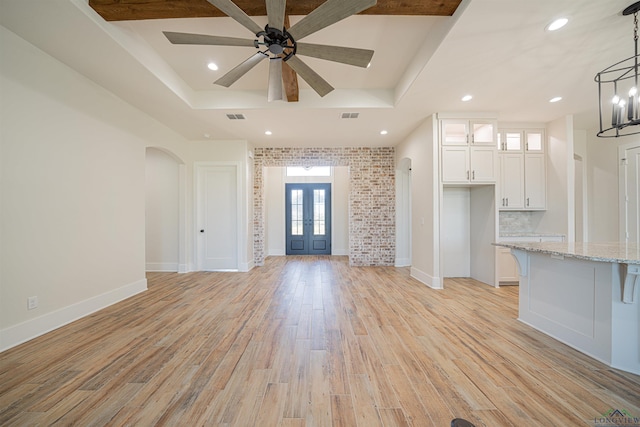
308, 217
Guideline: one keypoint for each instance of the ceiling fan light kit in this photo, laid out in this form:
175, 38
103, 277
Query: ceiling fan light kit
618, 91
280, 44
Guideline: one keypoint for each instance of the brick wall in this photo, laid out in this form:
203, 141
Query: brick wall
372, 215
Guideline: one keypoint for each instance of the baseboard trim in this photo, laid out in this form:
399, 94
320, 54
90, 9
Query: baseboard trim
246, 266
403, 262
25, 331
421, 276
162, 266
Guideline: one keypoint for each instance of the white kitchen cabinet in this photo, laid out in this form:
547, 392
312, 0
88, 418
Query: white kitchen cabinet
467, 132
512, 180
534, 140
522, 170
468, 165
455, 164
468, 157
510, 141
535, 182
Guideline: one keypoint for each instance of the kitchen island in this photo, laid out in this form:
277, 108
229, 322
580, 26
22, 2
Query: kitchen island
583, 294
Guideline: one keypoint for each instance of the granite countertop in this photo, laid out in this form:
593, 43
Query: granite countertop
620, 252
528, 234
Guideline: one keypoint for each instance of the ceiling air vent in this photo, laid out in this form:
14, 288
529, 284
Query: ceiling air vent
236, 116
349, 115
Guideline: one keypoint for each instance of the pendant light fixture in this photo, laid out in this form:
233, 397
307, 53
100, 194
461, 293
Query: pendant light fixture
618, 96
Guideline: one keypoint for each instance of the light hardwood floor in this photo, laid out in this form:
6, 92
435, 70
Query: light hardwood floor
307, 341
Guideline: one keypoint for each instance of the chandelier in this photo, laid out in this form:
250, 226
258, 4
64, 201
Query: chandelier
618, 91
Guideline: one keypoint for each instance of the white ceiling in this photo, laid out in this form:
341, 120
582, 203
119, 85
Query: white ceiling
496, 50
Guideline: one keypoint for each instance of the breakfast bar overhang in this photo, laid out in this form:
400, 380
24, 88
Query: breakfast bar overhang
585, 295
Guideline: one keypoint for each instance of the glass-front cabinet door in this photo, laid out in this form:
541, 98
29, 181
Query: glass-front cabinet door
510, 140
483, 133
534, 141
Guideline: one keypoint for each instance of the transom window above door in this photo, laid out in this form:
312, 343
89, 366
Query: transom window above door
308, 170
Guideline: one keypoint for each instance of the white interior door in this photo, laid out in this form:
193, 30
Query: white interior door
218, 218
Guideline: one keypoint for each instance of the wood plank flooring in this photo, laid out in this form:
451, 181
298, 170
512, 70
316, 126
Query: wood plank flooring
307, 341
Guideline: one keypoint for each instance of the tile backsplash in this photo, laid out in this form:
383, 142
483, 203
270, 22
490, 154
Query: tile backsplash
519, 221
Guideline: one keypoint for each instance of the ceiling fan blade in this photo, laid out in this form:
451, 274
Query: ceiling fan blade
345, 55
233, 11
274, 92
275, 13
314, 80
326, 14
203, 39
232, 76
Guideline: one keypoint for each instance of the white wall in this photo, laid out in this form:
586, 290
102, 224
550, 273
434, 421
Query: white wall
274, 182
72, 193
274, 211
559, 216
162, 191
456, 230
421, 148
403, 213
602, 184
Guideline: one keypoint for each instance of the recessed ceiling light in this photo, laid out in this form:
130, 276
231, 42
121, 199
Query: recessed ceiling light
212, 66
467, 98
556, 99
557, 24
268, 132
383, 132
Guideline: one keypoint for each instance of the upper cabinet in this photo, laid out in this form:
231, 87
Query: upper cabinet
468, 151
522, 169
534, 141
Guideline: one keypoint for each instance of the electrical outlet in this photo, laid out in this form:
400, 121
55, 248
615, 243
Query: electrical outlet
32, 302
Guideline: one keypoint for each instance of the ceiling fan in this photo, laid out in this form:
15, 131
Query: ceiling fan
282, 45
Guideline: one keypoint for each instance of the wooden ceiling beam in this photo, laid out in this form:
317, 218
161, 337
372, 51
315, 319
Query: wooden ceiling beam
126, 10
289, 77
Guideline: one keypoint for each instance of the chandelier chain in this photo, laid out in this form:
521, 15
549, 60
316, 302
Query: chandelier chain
635, 26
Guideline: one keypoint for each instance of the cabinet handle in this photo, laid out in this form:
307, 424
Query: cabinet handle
527, 201
473, 175
503, 201
507, 199
467, 175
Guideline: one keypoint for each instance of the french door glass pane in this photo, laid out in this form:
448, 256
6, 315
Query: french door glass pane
296, 213
318, 212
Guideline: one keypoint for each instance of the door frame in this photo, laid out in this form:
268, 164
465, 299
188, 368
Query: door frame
622, 188
199, 243
328, 212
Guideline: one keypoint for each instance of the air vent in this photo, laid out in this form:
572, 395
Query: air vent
349, 115
236, 116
